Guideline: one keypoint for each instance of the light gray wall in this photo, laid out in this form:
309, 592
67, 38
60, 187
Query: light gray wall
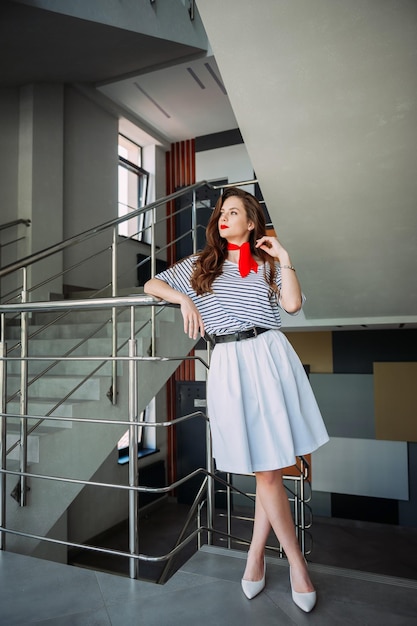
324, 96
90, 187
59, 168
31, 174
95, 510
9, 120
9, 154
40, 176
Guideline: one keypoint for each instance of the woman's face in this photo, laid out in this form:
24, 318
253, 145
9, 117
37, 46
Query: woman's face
233, 223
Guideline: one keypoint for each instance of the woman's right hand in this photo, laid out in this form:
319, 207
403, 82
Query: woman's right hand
193, 322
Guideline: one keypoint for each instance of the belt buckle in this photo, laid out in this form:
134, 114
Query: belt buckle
255, 332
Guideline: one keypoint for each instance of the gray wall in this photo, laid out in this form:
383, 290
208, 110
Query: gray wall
90, 189
59, 162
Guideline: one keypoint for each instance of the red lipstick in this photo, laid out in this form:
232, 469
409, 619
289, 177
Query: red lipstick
223, 226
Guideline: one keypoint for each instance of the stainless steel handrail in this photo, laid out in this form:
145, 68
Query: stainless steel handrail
23, 264
91, 232
15, 223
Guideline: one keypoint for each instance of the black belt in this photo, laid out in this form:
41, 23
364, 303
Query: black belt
240, 335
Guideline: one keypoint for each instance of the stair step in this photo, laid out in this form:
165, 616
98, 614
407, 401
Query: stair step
40, 408
96, 316
83, 327
58, 387
59, 347
74, 331
32, 444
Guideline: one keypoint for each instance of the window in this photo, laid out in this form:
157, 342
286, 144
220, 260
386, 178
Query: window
133, 190
146, 436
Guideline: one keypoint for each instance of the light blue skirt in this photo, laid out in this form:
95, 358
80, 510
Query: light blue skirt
261, 407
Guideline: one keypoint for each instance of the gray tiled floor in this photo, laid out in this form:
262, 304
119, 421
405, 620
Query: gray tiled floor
206, 590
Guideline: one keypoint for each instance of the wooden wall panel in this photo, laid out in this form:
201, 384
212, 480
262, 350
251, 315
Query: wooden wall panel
180, 172
293, 470
395, 401
314, 349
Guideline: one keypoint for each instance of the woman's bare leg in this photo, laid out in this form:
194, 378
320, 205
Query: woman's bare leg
261, 529
274, 510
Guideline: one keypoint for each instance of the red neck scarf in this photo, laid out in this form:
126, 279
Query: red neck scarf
246, 260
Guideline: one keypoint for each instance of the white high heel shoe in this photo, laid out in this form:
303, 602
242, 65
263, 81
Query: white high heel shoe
251, 588
305, 601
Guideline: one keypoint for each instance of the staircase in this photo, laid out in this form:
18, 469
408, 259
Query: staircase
73, 449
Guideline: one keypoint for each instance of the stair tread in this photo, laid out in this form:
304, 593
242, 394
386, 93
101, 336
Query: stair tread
49, 400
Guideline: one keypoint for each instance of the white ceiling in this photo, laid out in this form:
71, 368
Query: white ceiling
324, 94
179, 102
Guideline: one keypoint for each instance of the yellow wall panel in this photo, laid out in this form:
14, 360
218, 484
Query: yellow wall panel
395, 388
314, 349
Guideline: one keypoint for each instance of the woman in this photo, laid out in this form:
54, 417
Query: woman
261, 407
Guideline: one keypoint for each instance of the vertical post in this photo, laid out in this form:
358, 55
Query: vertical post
297, 509
133, 450
23, 446
3, 442
210, 476
3, 327
194, 222
302, 506
229, 509
191, 10
114, 291
210, 486
153, 272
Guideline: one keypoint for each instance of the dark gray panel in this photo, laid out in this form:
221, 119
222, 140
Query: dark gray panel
321, 504
407, 511
347, 404
191, 438
355, 351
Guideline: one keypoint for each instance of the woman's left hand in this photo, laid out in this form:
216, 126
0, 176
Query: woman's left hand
290, 297
272, 246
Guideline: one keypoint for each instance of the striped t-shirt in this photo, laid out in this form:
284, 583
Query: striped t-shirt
236, 303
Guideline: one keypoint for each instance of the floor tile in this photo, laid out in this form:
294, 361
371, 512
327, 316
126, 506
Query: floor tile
43, 589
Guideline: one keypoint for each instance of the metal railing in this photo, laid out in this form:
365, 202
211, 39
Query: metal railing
25, 310
298, 488
25, 291
11, 242
206, 494
14, 223
133, 423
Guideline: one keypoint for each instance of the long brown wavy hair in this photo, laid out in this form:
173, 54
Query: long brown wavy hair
209, 263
